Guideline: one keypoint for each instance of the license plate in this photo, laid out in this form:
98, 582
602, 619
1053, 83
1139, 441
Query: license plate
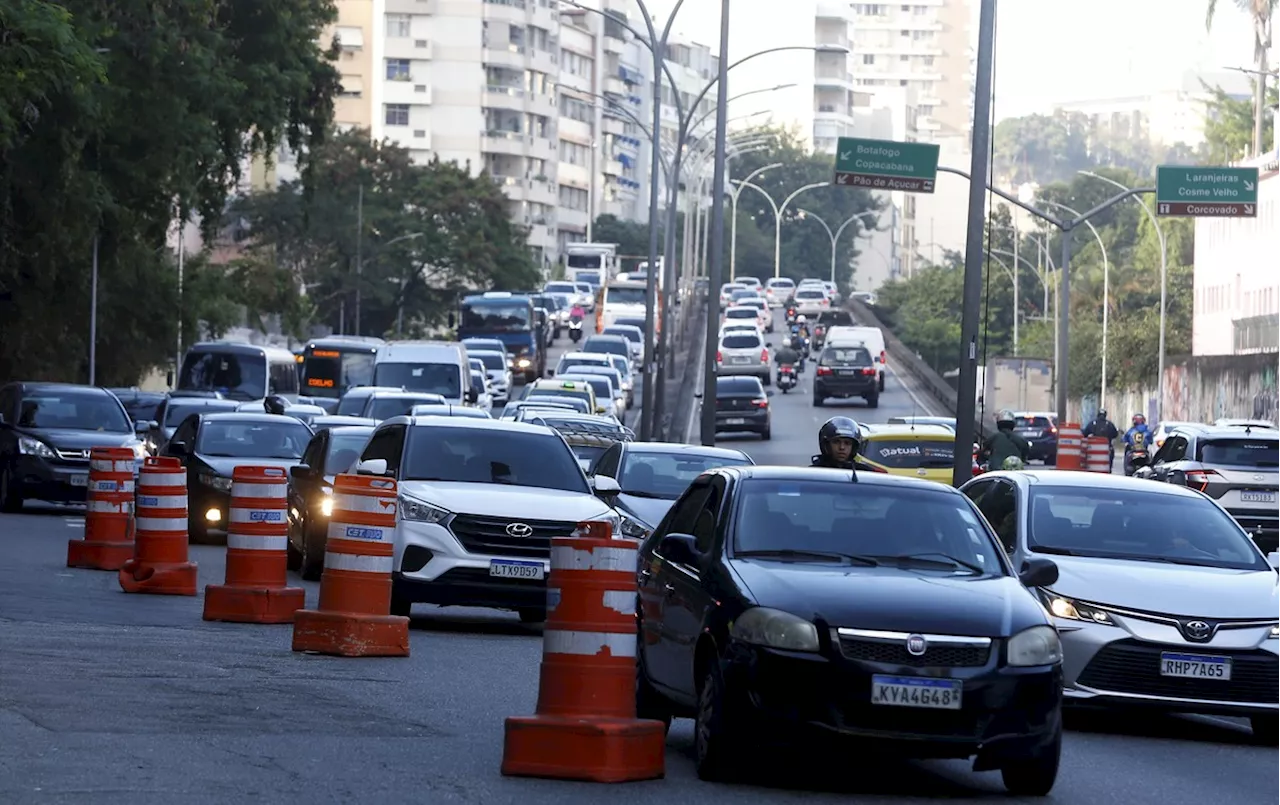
912, 691
737, 420
741, 360
846, 372
1257, 497
506, 569
81, 479
1195, 666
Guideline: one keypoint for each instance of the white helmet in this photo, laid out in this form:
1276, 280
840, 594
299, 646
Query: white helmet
801, 319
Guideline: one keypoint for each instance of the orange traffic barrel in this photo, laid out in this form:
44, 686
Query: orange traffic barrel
160, 563
1097, 454
1070, 447
108, 519
586, 726
353, 617
256, 588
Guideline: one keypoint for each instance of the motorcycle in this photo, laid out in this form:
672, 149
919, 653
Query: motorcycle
575, 329
1135, 459
791, 314
786, 377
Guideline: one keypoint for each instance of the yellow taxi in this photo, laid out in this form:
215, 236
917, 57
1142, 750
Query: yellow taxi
574, 389
912, 451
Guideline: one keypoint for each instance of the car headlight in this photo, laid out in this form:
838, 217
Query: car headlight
523, 363
28, 446
216, 481
774, 628
632, 528
139, 449
1038, 645
420, 511
1275, 633
326, 505
1061, 607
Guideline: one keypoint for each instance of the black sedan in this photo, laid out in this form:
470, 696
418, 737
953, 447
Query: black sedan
776, 602
331, 451
653, 474
211, 446
170, 413
742, 404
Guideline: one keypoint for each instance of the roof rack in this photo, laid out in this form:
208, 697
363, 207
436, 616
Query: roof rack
585, 432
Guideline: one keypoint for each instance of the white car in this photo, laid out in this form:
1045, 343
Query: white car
778, 290
606, 388
726, 292
742, 353
572, 359
496, 367
741, 313
750, 282
740, 327
480, 501
812, 300
633, 334
765, 318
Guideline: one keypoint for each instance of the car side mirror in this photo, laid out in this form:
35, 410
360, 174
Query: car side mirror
1038, 572
300, 472
141, 427
551, 373
372, 466
1273, 559
1177, 477
153, 425
679, 548
605, 486
179, 449
472, 396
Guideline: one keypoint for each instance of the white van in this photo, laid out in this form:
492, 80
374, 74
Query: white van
434, 367
869, 337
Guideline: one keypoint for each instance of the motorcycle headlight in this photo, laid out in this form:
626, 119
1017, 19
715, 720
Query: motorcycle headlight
1069, 609
420, 511
762, 626
1038, 645
28, 446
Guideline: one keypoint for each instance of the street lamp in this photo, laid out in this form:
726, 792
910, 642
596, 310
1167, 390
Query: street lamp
1013, 277
778, 210
835, 237
701, 222
1106, 293
733, 217
1164, 272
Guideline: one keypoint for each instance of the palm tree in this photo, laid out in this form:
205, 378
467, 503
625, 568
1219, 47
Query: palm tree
1261, 11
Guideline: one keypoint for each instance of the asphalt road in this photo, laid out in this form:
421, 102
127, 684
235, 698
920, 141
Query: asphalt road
111, 698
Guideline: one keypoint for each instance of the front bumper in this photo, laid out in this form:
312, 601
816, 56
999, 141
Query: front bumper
56, 481
432, 567
845, 386
1006, 713
756, 421
1042, 449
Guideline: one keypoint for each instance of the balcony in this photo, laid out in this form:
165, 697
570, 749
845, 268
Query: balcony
512, 143
832, 11
499, 97
842, 79
614, 85
510, 56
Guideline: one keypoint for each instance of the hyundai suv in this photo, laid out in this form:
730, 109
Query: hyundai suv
1235, 466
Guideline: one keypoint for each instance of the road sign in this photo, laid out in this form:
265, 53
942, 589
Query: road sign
886, 165
1183, 190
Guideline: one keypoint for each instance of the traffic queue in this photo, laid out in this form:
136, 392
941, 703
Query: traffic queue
858, 599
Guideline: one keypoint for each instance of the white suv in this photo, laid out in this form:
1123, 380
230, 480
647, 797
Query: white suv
480, 501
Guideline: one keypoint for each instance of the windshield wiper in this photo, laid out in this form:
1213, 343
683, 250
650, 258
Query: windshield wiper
942, 559
649, 495
797, 555
1053, 550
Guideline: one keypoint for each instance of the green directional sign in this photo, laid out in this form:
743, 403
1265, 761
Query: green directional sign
886, 165
1200, 192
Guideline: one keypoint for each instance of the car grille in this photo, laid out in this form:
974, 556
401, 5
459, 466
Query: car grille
74, 456
935, 656
488, 535
1130, 667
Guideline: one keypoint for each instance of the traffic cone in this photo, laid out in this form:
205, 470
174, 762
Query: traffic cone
257, 553
353, 618
586, 727
160, 564
108, 520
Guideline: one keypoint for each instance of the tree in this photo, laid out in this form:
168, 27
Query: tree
1228, 126
1260, 14
430, 233
115, 119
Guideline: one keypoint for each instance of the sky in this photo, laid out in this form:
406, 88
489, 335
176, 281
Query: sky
1113, 48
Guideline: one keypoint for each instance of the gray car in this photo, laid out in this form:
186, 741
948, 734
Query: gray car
1161, 600
1236, 466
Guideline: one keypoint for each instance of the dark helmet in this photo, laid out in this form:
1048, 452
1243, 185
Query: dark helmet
1102, 413
275, 404
838, 427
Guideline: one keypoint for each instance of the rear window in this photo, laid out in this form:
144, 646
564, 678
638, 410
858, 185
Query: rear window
629, 334
1241, 452
729, 386
737, 341
814, 294
1032, 422
909, 454
741, 313
613, 345
846, 356
781, 284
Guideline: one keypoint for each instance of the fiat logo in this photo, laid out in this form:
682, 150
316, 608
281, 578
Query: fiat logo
519, 530
917, 645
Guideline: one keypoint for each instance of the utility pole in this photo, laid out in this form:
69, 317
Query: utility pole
359, 251
715, 271
93, 317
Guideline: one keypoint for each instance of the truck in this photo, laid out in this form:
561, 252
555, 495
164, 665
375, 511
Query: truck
1016, 384
509, 318
592, 263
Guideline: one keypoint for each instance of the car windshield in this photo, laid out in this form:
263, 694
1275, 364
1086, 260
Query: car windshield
559, 287
505, 456
628, 333
437, 378
865, 520
352, 403
568, 363
283, 438
495, 317
1138, 525
73, 410
345, 449
493, 361
1262, 453
637, 323
734, 341
811, 294
176, 411
909, 454
386, 407
846, 356
560, 392
242, 376
485, 345
607, 346
329, 372
667, 475
624, 296
782, 284
600, 384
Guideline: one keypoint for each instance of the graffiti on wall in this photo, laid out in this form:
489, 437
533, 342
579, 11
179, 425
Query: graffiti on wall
1202, 389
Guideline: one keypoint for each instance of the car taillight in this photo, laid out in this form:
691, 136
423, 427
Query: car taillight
823, 371
760, 403
764, 355
826, 302
1053, 429
868, 371
883, 356
719, 356
1199, 480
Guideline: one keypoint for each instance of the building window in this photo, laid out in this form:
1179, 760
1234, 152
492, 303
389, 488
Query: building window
396, 114
397, 69
574, 153
867, 58
398, 25
573, 198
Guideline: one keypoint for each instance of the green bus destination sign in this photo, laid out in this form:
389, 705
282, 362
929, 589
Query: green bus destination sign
886, 165
1206, 192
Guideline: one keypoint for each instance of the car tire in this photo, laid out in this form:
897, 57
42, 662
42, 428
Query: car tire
873, 400
767, 380
1034, 776
766, 434
292, 556
310, 567
881, 386
400, 607
650, 704
1266, 729
818, 401
714, 741
197, 530
532, 615
10, 500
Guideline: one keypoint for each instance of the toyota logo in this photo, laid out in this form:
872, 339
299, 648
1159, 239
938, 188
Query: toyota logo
519, 530
1259, 478
1197, 630
916, 645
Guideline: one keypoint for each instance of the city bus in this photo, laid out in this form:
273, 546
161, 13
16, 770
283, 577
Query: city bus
331, 366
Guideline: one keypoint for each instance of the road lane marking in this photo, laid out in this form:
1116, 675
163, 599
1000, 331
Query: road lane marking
915, 399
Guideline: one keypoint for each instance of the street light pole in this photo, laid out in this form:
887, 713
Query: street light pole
715, 270
733, 220
93, 316
836, 236
359, 251
778, 210
1106, 296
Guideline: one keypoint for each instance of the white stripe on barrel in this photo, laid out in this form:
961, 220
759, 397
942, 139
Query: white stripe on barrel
153, 478
162, 524
257, 491
111, 506
258, 516
621, 601
588, 644
107, 465
361, 533
244, 542
357, 563
564, 557
363, 504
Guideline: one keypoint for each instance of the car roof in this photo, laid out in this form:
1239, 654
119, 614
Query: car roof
595, 370
331, 421
247, 416
778, 473
616, 326
70, 387
606, 337
552, 382
1079, 479
585, 354
918, 429
401, 394
686, 449
739, 383
351, 430
1226, 431
470, 423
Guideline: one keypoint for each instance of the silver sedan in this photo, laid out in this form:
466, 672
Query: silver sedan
1162, 599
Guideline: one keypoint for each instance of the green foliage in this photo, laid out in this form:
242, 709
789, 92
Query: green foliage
430, 233
1228, 129
632, 237
116, 118
806, 247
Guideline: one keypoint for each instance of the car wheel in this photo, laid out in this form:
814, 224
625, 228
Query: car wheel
767, 380
531, 615
881, 382
713, 739
292, 556
817, 401
311, 566
873, 400
1266, 729
197, 529
10, 500
1034, 776
766, 434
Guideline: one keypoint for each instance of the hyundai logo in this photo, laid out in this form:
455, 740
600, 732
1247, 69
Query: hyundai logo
1197, 630
917, 645
519, 530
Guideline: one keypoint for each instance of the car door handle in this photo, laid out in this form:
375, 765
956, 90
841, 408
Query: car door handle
668, 589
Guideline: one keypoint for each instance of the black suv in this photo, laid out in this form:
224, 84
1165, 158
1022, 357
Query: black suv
846, 372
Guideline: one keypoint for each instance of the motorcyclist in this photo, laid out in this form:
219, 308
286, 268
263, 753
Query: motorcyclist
786, 354
1004, 443
1104, 427
1137, 437
838, 444
577, 312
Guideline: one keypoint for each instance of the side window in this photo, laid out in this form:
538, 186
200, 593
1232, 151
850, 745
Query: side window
186, 432
283, 377
386, 443
704, 528
314, 454
684, 514
9, 404
975, 491
608, 463
1000, 506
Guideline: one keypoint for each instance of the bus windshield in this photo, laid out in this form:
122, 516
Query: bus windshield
618, 295
330, 372
234, 375
505, 317
584, 260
